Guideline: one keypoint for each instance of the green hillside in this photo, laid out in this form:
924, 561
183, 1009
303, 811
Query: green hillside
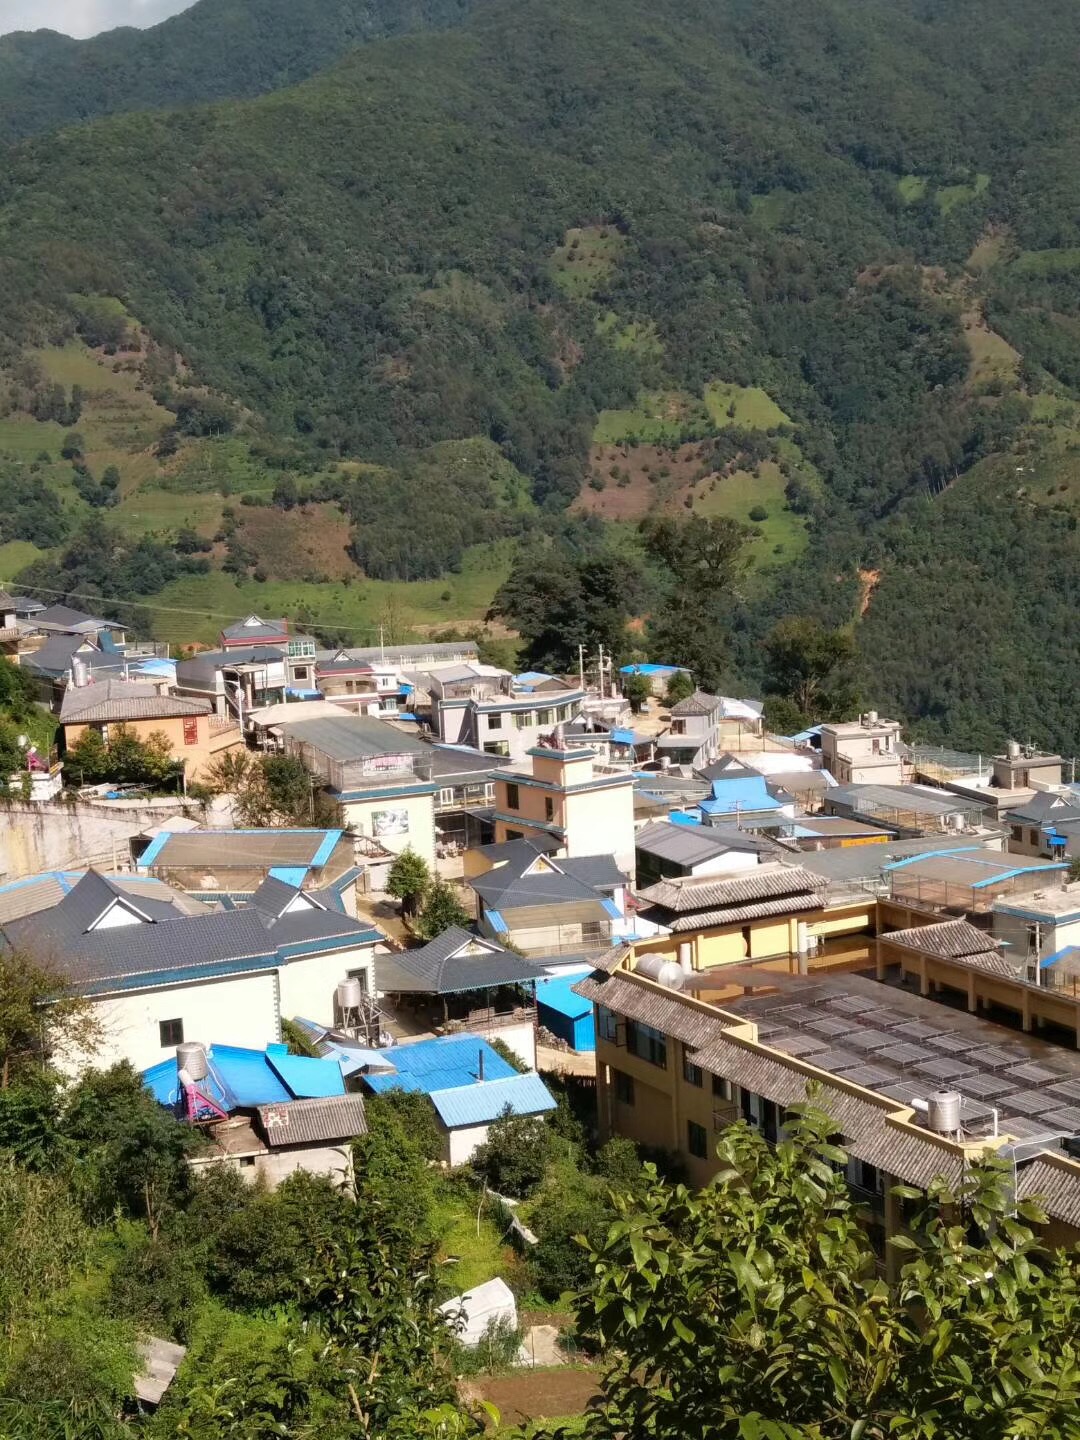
217, 50
428, 242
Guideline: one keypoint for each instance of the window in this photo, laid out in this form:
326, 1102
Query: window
171, 1032
691, 1072
609, 1025
191, 730
515, 834
494, 722
646, 1043
446, 796
721, 1088
247, 1162
1033, 836
496, 747
543, 717
624, 1087
522, 720
549, 808
697, 1139
513, 797
875, 746
1018, 832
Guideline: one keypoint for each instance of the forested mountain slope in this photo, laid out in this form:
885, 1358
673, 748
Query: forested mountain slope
217, 50
570, 228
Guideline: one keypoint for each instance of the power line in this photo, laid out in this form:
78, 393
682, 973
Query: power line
334, 624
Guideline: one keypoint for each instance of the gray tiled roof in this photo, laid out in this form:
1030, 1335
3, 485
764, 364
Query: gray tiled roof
699, 703
172, 942
512, 891
240, 629
63, 617
953, 939
695, 893
441, 967
54, 657
599, 871
310, 1122
118, 700
684, 844
733, 914
274, 896
1054, 1186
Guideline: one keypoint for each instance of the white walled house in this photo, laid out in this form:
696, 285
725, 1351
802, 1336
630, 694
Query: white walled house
160, 967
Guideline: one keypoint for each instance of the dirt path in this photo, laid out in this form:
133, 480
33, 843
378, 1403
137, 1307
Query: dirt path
538, 1394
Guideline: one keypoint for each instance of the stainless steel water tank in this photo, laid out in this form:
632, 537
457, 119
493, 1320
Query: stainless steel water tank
191, 1056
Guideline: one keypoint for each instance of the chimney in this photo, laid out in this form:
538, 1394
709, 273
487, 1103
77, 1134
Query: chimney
480, 1067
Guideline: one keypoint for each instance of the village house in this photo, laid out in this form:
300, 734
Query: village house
665, 850
916, 1088
1047, 823
160, 965
196, 736
493, 711
10, 633
693, 737
265, 1114
864, 751
381, 777
1022, 767
566, 796
218, 865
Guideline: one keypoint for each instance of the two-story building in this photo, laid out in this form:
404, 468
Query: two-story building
564, 795
159, 966
491, 710
196, 736
1041, 824
381, 777
10, 631
1022, 767
864, 751
240, 678
693, 737
917, 1089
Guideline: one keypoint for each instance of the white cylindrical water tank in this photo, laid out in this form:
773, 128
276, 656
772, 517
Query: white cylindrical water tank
686, 956
350, 993
943, 1112
649, 966
671, 975
192, 1057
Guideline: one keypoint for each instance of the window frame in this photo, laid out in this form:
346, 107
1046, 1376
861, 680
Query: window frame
694, 1130
167, 1027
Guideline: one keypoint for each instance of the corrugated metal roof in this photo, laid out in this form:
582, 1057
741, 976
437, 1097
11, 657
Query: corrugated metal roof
443, 1064
225, 849
306, 1077
351, 737
558, 994
692, 893
311, 1122
686, 845
482, 1103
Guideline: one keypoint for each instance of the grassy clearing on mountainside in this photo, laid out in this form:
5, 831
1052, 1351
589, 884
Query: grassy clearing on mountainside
633, 336
15, 556
992, 247
151, 510
749, 407
771, 208
1047, 262
309, 543
586, 258
993, 359
192, 608
782, 533
660, 417
912, 188
948, 197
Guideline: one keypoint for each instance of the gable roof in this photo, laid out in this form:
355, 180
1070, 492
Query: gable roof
699, 703
1045, 805
274, 896
481, 1104
7, 602
55, 656
254, 627
63, 617
171, 940
119, 700
599, 871
955, 940
350, 737
512, 889
740, 792
446, 1063
685, 844
454, 962
687, 894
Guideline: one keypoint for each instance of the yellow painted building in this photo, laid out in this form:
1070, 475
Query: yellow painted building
564, 795
676, 1066
195, 735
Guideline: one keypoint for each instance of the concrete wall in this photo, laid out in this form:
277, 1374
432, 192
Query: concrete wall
239, 1010
58, 835
420, 813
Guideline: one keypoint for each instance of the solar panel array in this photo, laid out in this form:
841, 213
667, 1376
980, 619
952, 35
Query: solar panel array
888, 1049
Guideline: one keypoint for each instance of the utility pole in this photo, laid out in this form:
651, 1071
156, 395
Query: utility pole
581, 665
601, 672
382, 646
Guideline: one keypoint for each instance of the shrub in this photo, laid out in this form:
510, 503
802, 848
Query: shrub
759, 513
514, 1158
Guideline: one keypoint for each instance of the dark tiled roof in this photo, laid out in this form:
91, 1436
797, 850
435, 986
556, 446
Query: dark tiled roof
732, 914
256, 629
699, 703
54, 657
512, 892
309, 1122
1056, 1185
273, 897
599, 871
952, 939
767, 882
172, 942
119, 700
442, 968
685, 844
63, 617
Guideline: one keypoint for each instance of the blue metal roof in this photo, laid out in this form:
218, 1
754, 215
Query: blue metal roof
623, 737
496, 920
741, 792
444, 1064
240, 1079
290, 874
648, 668
558, 994
681, 817
306, 1077
481, 1104
1070, 952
